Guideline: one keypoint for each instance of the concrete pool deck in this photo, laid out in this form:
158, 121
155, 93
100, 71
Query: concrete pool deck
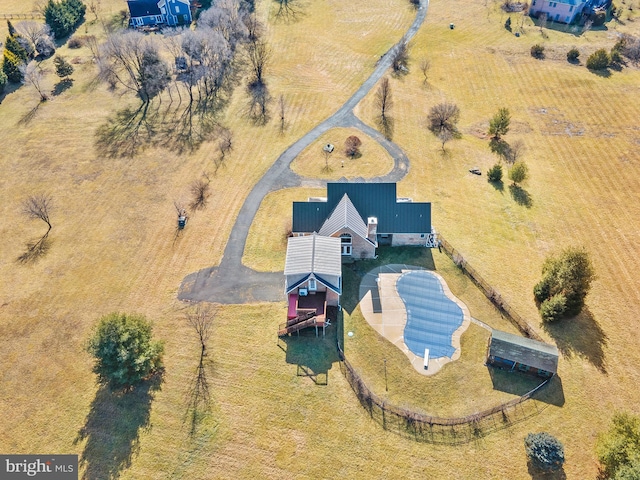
385, 311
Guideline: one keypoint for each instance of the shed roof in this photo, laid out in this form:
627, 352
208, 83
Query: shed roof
344, 215
524, 350
370, 200
143, 8
313, 254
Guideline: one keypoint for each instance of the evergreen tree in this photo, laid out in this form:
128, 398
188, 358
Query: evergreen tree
544, 451
12, 30
14, 47
11, 67
63, 17
63, 68
123, 349
499, 124
518, 173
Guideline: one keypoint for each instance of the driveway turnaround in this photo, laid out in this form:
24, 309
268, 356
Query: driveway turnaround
233, 283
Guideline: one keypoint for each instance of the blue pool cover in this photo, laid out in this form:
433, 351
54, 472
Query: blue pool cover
431, 316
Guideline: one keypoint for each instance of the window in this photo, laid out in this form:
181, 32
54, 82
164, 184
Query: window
313, 286
158, 18
177, 8
346, 240
566, 20
534, 2
571, 8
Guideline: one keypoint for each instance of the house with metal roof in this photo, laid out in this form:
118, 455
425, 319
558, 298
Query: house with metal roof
512, 352
563, 11
313, 281
363, 216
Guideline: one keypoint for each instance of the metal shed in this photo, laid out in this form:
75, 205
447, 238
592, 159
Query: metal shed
513, 352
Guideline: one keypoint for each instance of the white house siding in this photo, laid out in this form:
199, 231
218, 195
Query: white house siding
563, 12
400, 239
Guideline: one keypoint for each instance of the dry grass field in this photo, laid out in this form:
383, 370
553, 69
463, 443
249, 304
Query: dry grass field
115, 247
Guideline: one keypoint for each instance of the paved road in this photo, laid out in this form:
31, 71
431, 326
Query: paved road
232, 282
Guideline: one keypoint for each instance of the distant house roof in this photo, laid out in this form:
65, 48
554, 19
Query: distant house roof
370, 200
344, 215
523, 350
143, 8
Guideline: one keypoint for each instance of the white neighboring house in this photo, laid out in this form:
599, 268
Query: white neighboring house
563, 11
152, 13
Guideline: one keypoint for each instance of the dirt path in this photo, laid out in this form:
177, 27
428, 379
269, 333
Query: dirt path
232, 282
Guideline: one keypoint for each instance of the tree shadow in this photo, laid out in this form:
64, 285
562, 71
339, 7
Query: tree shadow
36, 250
537, 474
604, 73
520, 195
581, 336
498, 185
386, 126
30, 115
188, 131
62, 86
499, 147
112, 429
198, 396
313, 356
127, 132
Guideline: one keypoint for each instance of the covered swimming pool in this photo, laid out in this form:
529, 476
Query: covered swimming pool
432, 317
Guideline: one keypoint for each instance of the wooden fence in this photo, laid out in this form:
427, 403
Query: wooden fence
492, 294
21, 16
429, 429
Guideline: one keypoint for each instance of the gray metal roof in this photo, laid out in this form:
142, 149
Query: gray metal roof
313, 254
524, 350
344, 215
370, 200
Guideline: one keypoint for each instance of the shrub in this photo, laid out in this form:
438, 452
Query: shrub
63, 68
599, 18
45, 46
124, 352
615, 57
570, 274
537, 51
3, 80
75, 42
495, 173
554, 308
11, 67
618, 449
518, 173
598, 60
573, 54
544, 451
352, 146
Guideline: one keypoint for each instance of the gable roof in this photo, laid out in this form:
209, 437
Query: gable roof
344, 215
524, 350
370, 200
313, 254
143, 8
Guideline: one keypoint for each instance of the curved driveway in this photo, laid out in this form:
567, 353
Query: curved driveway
232, 282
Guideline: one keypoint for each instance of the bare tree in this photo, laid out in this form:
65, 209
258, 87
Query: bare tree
259, 55
37, 207
443, 119
133, 61
515, 151
259, 99
542, 23
200, 192
32, 75
225, 145
255, 28
401, 59
95, 7
282, 108
288, 9
425, 66
201, 319
586, 27
33, 31
352, 146
384, 102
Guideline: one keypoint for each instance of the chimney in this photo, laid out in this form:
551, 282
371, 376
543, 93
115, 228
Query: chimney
372, 230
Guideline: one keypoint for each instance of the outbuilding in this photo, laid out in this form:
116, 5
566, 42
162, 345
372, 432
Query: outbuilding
512, 352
